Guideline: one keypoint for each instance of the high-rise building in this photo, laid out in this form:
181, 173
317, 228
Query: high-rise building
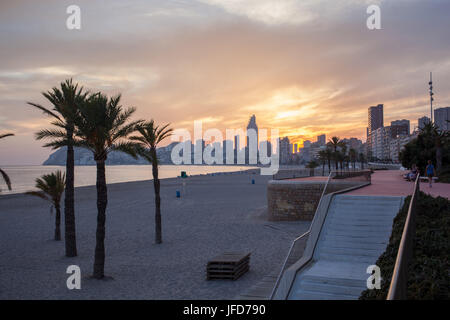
321, 140
441, 118
380, 143
252, 125
284, 153
375, 119
400, 128
306, 144
421, 122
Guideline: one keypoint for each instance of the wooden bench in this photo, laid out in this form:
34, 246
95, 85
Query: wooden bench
229, 265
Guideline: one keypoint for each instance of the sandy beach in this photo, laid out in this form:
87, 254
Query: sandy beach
216, 213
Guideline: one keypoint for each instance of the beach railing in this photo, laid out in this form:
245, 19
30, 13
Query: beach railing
399, 281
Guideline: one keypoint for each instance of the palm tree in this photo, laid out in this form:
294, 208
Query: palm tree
335, 143
3, 173
65, 102
323, 159
353, 155
432, 133
362, 159
102, 126
312, 165
51, 186
150, 136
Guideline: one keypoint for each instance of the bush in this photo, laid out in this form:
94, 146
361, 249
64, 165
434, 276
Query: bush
428, 276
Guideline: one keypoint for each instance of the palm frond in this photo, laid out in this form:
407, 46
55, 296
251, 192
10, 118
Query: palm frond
44, 110
50, 134
126, 147
6, 135
6, 178
39, 194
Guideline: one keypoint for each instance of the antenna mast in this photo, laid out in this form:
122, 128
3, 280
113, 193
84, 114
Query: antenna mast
431, 97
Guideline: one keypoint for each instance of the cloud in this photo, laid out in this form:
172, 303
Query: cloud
221, 61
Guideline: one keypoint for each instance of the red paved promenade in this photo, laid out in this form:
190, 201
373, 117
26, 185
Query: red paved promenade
391, 183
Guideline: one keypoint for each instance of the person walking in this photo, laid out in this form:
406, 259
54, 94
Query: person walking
430, 172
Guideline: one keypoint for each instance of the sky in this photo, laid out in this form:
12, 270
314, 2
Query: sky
305, 67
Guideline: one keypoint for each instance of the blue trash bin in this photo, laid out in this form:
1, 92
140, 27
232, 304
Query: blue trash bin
178, 194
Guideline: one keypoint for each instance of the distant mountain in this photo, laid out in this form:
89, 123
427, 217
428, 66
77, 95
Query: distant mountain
84, 157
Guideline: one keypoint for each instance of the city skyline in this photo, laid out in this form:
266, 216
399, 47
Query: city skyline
306, 68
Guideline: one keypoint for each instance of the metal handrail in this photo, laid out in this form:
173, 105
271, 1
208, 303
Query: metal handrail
399, 282
296, 239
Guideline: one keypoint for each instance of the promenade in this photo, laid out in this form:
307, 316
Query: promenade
391, 183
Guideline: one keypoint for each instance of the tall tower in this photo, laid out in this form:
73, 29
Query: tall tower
252, 125
375, 118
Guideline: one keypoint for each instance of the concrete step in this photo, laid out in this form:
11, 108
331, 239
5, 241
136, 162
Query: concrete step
353, 239
351, 251
312, 295
319, 286
332, 243
348, 258
353, 245
356, 223
376, 235
336, 281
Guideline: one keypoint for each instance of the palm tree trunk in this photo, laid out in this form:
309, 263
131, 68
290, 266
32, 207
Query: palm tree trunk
57, 222
156, 184
69, 207
102, 201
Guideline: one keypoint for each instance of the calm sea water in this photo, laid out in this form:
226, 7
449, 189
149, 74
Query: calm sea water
23, 177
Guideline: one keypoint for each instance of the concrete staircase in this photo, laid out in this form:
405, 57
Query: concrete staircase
355, 233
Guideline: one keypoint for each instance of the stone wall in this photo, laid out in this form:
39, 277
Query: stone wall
290, 200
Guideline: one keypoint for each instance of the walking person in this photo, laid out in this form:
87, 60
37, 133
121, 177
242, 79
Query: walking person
430, 172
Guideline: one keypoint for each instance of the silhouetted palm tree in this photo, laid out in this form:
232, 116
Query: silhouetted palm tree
51, 187
432, 133
353, 155
323, 159
65, 101
362, 159
150, 136
335, 144
312, 165
102, 126
3, 173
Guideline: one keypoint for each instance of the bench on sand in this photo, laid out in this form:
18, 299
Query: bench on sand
230, 265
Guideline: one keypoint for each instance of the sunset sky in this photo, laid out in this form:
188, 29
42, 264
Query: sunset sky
306, 67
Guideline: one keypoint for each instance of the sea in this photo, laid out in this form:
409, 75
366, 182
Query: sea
23, 177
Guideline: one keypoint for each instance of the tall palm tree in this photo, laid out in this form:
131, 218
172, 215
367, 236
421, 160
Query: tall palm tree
437, 137
335, 143
362, 159
65, 102
101, 126
51, 187
323, 159
150, 135
312, 165
353, 155
3, 173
